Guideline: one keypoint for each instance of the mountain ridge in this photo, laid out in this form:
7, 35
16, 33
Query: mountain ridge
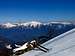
31, 24
18, 32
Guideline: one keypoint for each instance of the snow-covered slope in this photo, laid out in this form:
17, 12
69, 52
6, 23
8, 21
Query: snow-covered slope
62, 45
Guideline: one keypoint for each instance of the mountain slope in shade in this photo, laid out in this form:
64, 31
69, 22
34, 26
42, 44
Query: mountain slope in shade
62, 45
19, 32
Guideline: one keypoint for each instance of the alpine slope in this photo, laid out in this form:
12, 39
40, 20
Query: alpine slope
62, 45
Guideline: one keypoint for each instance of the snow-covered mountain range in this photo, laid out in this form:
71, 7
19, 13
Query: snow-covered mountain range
31, 24
18, 32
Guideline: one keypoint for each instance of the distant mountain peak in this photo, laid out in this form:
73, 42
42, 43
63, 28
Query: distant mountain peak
8, 25
32, 23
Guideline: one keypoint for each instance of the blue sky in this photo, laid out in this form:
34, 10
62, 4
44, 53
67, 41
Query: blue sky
40, 10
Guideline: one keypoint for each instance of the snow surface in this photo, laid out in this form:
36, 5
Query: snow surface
62, 45
21, 48
8, 47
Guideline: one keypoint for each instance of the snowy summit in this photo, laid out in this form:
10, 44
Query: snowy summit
32, 23
8, 25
